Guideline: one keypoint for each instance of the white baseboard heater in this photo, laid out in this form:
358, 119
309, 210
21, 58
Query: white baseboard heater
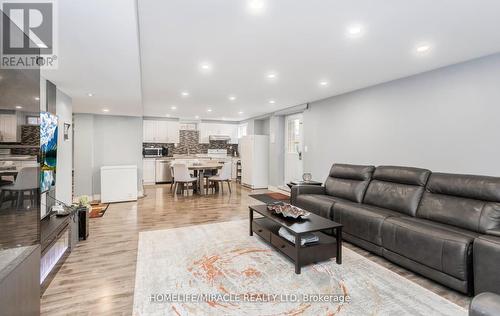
118, 183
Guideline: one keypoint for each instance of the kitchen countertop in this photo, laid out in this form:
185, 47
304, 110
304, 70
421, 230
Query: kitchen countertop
16, 157
11, 258
186, 157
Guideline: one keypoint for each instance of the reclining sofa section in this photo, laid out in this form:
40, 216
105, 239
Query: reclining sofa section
429, 223
346, 183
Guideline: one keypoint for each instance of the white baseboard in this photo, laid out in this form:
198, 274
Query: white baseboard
97, 197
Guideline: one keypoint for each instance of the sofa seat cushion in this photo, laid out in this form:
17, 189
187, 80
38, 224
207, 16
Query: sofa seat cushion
317, 203
361, 220
445, 248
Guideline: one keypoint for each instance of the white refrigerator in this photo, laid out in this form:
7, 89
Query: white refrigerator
254, 154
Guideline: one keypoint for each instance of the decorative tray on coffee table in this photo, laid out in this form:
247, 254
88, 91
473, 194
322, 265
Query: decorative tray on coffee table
288, 210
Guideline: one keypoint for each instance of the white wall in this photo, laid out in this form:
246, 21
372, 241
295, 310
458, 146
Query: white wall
446, 120
64, 185
83, 153
276, 150
117, 141
105, 140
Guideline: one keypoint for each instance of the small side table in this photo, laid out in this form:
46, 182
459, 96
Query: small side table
292, 183
83, 223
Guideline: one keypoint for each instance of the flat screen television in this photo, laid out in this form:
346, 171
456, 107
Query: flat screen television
48, 150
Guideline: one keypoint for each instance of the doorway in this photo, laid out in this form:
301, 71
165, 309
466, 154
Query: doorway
294, 138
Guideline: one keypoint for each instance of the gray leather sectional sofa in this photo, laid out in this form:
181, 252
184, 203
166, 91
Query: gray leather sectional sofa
443, 226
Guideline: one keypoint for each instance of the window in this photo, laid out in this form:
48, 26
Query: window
242, 130
293, 134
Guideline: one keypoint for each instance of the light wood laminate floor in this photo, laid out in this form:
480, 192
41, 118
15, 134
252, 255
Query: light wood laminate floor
98, 276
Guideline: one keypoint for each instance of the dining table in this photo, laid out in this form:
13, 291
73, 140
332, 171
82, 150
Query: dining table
199, 169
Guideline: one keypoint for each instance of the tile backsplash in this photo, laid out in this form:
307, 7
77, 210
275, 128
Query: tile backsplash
30, 135
189, 141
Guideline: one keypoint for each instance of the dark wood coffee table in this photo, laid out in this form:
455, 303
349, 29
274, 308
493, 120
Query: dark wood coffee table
327, 247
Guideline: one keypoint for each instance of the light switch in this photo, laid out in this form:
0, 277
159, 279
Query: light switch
305, 148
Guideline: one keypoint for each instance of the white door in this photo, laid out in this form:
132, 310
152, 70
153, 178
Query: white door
293, 148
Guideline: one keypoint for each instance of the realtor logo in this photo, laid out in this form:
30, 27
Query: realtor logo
28, 34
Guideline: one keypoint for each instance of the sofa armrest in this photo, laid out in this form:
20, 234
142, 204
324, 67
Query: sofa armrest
486, 255
305, 189
485, 304
493, 232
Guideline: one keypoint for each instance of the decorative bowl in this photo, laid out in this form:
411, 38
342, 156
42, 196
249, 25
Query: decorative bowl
307, 176
288, 210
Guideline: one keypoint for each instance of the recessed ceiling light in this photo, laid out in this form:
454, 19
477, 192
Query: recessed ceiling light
167, 115
272, 101
209, 110
90, 94
423, 48
37, 98
206, 66
185, 93
256, 6
323, 83
271, 75
232, 98
197, 117
18, 107
355, 30
173, 107
240, 112
105, 110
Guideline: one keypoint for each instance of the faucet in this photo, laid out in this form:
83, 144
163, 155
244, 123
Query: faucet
188, 152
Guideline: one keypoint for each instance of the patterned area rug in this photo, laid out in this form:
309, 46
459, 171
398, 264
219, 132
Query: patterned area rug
98, 210
217, 269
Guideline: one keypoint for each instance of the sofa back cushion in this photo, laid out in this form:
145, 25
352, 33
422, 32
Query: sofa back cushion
397, 188
348, 181
466, 201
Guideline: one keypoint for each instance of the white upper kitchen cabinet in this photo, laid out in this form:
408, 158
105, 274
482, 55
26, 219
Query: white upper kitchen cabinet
173, 128
160, 131
204, 129
148, 131
8, 128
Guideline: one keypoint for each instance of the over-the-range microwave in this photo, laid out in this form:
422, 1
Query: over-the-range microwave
152, 152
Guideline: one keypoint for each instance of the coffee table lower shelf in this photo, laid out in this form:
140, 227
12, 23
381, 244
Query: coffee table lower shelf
323, 250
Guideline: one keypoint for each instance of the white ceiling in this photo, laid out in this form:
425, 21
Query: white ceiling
304, 42
99, 54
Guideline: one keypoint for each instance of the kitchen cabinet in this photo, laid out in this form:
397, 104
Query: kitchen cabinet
173, 132
148, 131
8, 128
156, 131
148, 171
161, 131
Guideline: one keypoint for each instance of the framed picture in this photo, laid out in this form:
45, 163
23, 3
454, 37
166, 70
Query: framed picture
67, 126
48, 150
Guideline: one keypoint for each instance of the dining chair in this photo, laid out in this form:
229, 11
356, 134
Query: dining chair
173, 177
224, 175
183, 177
27, 180
7, 179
